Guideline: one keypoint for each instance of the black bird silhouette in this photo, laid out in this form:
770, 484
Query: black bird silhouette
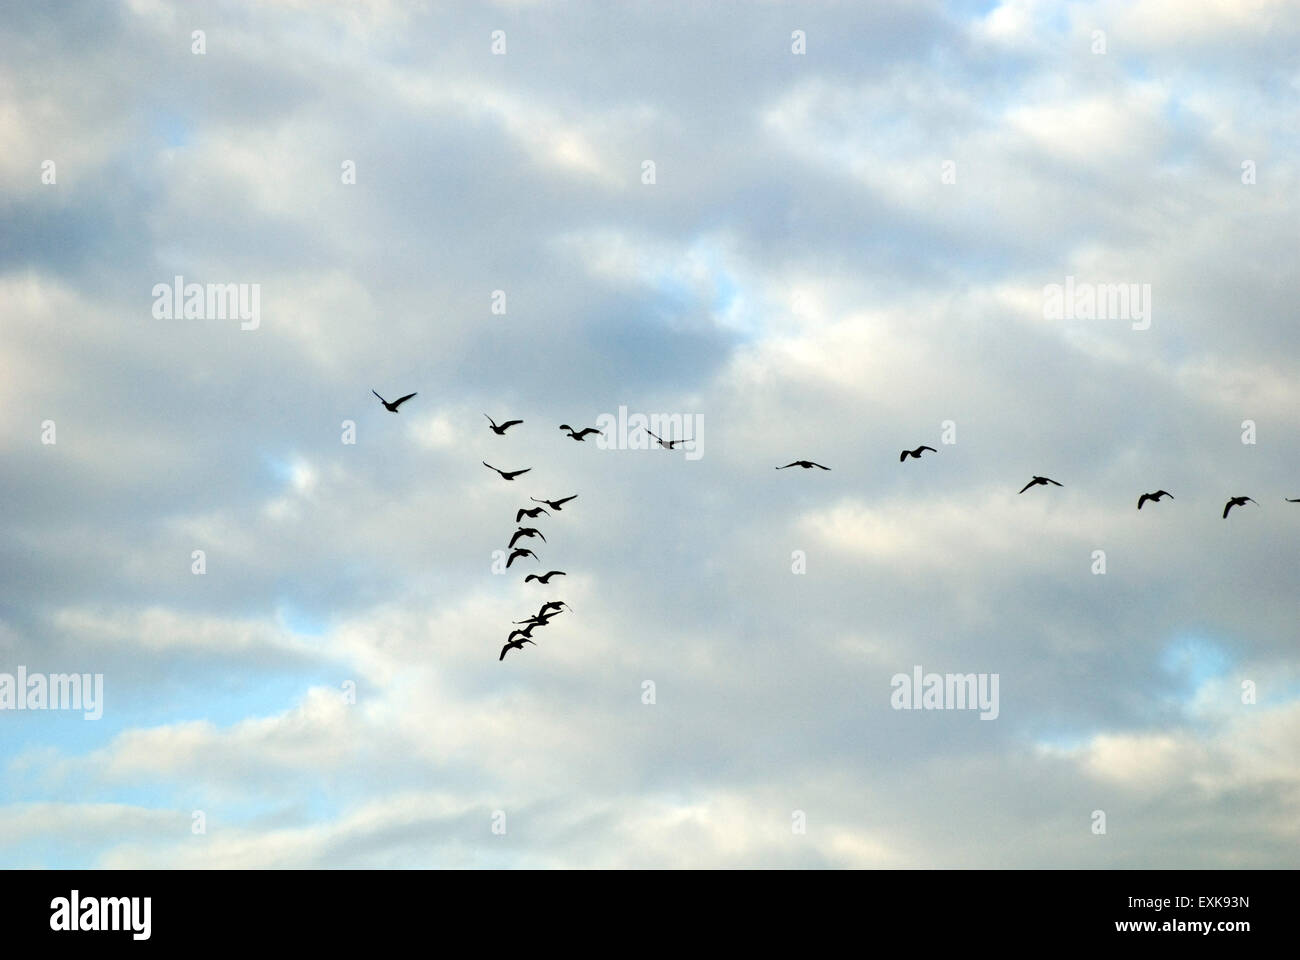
526, 631
1038, 482
521, 552
525, 532
555, 504
501, 430
392, 407
666, 444
580, 435
514, 645
505, 474
532, 514
1154, 497
915, 453
806, 464
1236, 502
546, 577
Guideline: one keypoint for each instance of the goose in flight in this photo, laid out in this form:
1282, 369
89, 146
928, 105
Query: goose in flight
916, 454
806, 464
1039, 482
555, 504
1236, 502
532, 514
513, 645
1154, 497
525, 532
505, 474
580, 435
666, 444
500, 431
392, 407
520, 552
546, 577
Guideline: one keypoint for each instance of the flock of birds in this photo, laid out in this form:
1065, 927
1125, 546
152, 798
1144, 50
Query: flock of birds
1044, 481
523, 631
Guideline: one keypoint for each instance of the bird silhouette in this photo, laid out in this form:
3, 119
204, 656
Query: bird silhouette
520, 552
555, 504
532, 514
546, 577
526, 631
666, 444
392, 407
506, 474
579, 435
501, 430
806, 464
915, 453
514, 645
1236, 502
1154, 497
1038, 482
525, 532
556, 605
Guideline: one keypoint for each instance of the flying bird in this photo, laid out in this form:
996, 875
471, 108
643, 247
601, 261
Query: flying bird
525, 532
806, 464
915, 453
1236, 502
392, 407
532, 514
514, 645
505, 474
1038, 482
555, 504
526, 632
556, 605
521, 552
666, 444
1154, 497
500, 431
579, 435
546, 577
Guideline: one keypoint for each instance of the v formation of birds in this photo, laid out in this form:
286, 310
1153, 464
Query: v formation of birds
552, 608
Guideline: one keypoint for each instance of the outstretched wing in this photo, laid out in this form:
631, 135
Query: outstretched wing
1027, 486
488, 465
398, 403
381, 399
556, 503
504, 651
509, 423
1052, 482
931, 449
517, 473
820, 466
587, 431
1143, 499
795, 464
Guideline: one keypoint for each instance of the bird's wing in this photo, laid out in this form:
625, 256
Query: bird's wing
931, 449
398, 403
565, 426
1226, 507
520, 515
513, 541
510, 423
540, 534
1027, 486
503, 653
1052, 482
490, 420
1164, 493
819, 465
381, 399
488, 465
518, 473
531, 576
589, 430
565, 500
1143, 499
795, 464
902, 456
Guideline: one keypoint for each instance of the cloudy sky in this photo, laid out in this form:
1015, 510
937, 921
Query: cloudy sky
824, 254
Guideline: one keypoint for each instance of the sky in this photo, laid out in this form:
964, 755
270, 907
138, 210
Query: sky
823, 231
